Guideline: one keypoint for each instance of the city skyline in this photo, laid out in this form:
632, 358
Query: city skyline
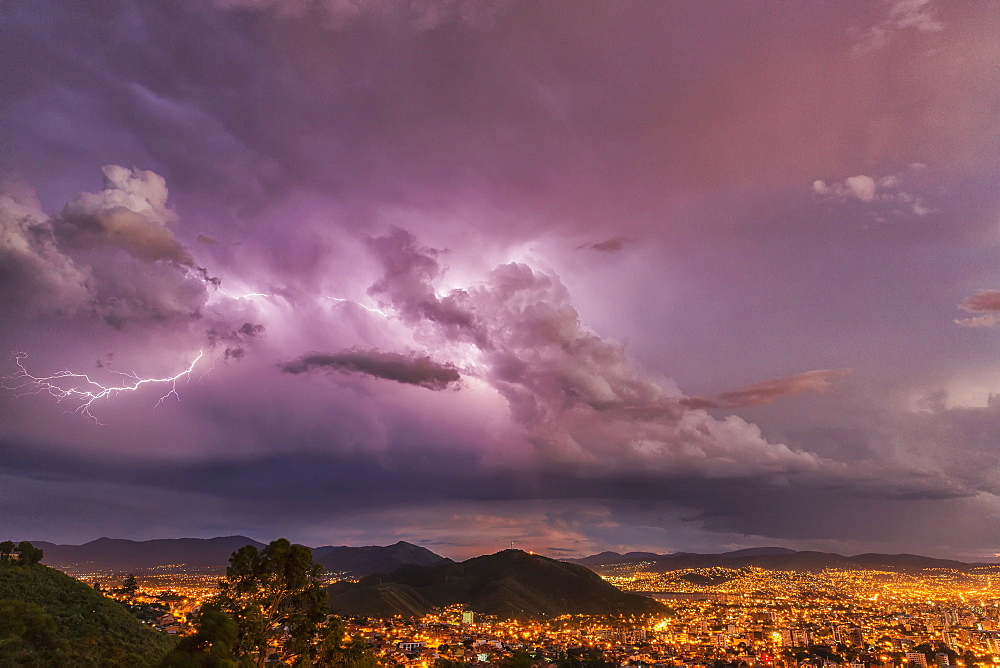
687, 276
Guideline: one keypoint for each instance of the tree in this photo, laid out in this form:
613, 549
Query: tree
130, 586
210, 647
28, 554
448, 663
6, 548
276, 599
970, 659
519, 659
333, 652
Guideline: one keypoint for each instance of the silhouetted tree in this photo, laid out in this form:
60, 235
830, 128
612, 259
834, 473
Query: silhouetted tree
335, 650
6, 548
130, 586
448, 663
28, 554
519, 659
269, 592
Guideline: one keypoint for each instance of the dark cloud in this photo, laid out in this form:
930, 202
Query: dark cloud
248, 330
612, 245
509, 135
238, 341
207, 239
407, 284
445, 490
759, 394
251, 329
407, 369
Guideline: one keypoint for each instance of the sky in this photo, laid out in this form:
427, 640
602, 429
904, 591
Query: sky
569, 275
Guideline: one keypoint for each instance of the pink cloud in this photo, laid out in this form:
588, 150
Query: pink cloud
759, 394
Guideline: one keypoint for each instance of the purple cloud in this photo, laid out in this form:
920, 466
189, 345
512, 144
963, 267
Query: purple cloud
302, 166
406, 369
759, 394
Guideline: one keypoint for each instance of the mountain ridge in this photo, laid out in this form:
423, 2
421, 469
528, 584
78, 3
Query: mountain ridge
119, 554
772, 558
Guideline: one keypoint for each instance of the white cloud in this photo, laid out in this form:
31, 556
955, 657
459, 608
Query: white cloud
917, 15
112, 253
883, 190
37, 273
989, 320
862, 187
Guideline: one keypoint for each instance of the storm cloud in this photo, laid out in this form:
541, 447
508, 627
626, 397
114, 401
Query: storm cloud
406, 369
112, 253
576, 394
581, 225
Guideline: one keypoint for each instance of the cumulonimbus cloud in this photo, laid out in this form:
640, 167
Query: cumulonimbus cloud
576, 395
131, 213
419, 370
111, 254
37, 275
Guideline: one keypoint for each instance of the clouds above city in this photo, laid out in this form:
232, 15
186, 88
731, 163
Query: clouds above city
588, 276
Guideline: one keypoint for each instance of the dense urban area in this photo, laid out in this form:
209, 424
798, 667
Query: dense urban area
715, 616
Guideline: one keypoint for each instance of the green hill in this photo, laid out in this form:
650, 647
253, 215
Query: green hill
49, 619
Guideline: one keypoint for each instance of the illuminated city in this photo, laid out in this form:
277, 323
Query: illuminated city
573, 333
756, 617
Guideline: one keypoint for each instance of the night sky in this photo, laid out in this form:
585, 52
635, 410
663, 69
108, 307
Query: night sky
683, 275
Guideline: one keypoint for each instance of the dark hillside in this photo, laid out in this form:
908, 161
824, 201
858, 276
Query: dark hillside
509, 584
361, 561
93, 630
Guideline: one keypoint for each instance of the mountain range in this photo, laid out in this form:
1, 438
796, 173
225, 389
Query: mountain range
508, 584
772, 558
212, 554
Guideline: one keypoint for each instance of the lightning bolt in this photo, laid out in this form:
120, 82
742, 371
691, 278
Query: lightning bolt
79, 387
369, 309
246, 296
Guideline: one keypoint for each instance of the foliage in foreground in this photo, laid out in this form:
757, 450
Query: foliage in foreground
47, 618
271, 609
